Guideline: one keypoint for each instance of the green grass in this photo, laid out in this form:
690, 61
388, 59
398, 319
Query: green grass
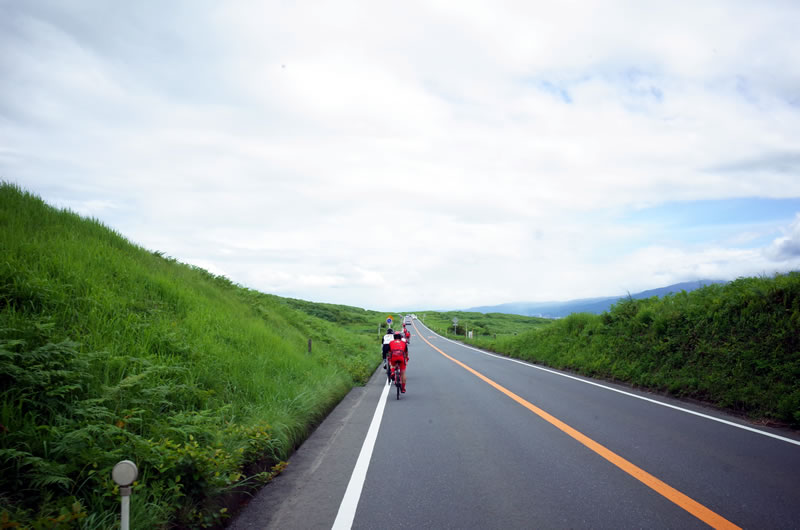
109, 351
486, 327
736, 346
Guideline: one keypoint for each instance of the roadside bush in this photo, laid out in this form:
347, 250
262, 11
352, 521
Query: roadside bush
733, 345
110, 352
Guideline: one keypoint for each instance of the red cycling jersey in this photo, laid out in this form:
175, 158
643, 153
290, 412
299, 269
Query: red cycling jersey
399, 352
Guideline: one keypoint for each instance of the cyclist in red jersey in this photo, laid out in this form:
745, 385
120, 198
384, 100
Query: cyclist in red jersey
398, 350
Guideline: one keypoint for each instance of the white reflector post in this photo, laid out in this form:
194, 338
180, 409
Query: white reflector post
124, 474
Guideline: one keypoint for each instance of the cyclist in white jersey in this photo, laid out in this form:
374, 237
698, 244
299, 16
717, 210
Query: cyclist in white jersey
389, 337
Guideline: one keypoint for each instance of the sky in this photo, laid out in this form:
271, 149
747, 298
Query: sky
417, 155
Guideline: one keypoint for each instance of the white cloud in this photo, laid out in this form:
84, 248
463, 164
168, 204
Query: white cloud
787, 247
298, 147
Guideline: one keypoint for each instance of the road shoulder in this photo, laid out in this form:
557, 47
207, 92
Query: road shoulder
308, 493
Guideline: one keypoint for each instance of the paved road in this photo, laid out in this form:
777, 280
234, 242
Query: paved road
483, 442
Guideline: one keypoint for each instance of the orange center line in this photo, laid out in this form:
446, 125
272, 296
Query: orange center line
709, 517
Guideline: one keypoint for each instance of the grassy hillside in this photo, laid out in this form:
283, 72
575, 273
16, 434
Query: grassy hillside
733, 345
110, 352
486, 325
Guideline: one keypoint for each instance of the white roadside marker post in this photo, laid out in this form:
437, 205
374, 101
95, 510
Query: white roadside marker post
124, 474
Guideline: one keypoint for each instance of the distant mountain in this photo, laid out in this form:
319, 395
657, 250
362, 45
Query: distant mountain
585, 305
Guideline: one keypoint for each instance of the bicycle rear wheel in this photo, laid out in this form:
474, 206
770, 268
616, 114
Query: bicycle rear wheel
398, 381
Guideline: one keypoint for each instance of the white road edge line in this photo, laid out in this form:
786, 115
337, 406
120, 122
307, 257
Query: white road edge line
347, 509
706, 416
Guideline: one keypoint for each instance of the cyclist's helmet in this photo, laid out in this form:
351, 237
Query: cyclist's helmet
389, 331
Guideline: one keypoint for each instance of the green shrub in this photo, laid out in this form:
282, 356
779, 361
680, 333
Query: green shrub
734, 345
109, 352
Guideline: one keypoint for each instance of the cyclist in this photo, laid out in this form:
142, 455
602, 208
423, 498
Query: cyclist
408, 334
399, 353
389, 337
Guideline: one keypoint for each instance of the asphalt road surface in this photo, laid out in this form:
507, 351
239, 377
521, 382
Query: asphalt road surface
480, 441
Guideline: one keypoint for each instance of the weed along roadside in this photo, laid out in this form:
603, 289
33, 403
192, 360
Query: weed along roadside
110, 352
735, 346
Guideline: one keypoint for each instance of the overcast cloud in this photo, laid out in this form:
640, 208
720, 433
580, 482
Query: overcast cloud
419, 154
